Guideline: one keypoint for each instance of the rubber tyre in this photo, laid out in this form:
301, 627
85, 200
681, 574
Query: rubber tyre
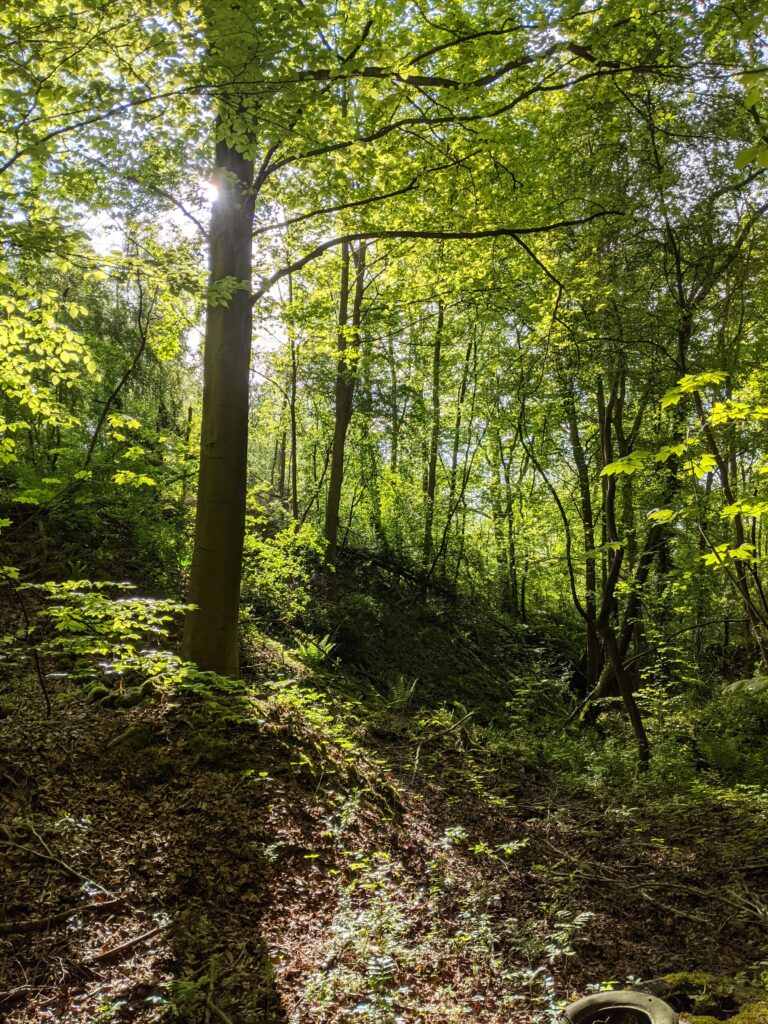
584, 1011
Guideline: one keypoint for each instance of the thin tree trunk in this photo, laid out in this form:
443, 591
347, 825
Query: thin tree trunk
143, 329
594, 653
282, 452
346, 371
394, 413
513, 608
292, 412
434, 441
605, 625
457, 424
369, 445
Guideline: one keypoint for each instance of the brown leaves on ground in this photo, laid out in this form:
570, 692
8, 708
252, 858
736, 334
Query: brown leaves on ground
272, 868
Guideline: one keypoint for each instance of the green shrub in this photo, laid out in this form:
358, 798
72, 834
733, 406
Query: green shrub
278, 566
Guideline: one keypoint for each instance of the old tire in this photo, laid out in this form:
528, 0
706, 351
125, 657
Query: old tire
639, 1008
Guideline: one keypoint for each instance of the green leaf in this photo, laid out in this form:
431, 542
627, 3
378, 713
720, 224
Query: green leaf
125, 477
691, 382
629, 464
752, 78
756, 685
745, 508
752, 98
671, 397
670, 451
722, 553
745, 157
662, 515
700, 467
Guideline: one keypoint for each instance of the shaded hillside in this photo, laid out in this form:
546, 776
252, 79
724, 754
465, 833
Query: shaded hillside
273, 851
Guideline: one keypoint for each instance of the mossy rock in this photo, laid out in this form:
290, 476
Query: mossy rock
698, 981
131, 698
752, 1013
702, 998
136, 737
98, 692
698, 995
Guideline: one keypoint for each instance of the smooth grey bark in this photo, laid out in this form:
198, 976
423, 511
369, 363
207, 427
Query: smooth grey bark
347, 346
434, 440
292, 409
211, 630
594, 653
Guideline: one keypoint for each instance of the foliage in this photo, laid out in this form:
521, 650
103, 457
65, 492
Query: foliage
279, 567
489, 389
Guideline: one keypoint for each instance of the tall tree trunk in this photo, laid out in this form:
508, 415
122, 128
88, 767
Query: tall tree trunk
434, 441
369, 444
594, 657
502, 510
210, 630
605, 624
509, 512
471, 347
456, 443
346, 370
498, 520
394, 412
292, 411
282, 452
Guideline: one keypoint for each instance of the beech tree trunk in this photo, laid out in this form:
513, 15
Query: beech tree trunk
210, 631
511, 605
434, 440
594, 659
292, 407
345, 388
605, 625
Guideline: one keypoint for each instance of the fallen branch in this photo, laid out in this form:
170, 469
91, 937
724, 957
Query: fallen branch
62, 864
217, 1011
49, 855
41, 924
117, 951
439, 735
15, 995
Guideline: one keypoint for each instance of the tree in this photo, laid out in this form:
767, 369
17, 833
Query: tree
293, 89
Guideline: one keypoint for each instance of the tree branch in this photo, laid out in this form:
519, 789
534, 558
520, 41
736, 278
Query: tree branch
405, 233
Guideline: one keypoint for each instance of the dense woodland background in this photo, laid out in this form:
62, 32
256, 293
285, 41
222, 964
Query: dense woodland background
469, 713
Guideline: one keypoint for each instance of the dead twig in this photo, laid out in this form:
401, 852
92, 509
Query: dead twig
41, 924
218, 1012
439, 735
15, 995
117, 951
51, 856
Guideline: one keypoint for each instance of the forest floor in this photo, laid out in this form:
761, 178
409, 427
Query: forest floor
277, 854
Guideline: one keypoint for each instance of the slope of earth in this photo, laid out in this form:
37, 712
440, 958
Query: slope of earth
268, 852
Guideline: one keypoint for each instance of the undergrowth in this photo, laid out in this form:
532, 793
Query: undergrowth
526, 827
